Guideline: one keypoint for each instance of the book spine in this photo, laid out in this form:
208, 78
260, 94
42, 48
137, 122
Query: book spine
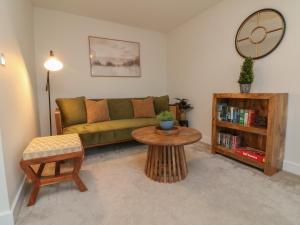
219, 112
235, 115
227, 114
234, 142
246, 118
228, 140
252, 115
219, 138
224, 112
231, 114
242, 115
251, 155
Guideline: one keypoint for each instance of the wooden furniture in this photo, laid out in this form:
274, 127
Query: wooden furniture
45, 150
166, 160
270, 139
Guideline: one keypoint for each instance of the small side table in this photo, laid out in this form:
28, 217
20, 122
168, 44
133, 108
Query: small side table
43, 150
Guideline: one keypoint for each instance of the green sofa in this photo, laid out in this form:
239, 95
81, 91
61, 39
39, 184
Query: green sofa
70, 118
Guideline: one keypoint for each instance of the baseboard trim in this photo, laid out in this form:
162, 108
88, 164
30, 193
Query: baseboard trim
17, 203
6, 218
9, 217
291, 167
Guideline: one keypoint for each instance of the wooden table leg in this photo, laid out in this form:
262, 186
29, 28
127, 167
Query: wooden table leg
76, 178
166, 164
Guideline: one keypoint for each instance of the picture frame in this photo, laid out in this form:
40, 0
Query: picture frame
114, 58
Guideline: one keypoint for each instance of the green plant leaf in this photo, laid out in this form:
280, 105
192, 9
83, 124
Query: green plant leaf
246, 75
165, 116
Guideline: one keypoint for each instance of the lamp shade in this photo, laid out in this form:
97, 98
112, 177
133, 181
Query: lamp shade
53, 64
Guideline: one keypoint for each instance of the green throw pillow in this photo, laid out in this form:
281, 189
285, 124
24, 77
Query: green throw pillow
120, 108
72, 110
161, 104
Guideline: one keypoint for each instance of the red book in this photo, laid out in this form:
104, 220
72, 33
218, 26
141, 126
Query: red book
251, 153
251, 117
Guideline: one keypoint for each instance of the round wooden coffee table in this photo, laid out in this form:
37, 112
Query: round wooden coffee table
166, 160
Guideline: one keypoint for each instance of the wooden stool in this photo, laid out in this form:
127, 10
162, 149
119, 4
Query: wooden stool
50, 149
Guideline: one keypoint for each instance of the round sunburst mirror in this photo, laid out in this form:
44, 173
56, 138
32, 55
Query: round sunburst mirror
260, 34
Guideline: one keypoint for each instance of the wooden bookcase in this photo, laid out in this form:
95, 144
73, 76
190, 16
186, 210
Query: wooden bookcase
270, 139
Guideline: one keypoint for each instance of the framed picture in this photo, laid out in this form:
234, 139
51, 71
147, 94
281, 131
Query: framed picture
114, 58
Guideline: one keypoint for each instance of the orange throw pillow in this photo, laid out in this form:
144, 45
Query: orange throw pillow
143, 108
97, 111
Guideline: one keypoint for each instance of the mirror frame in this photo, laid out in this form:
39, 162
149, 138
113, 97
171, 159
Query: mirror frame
247, 19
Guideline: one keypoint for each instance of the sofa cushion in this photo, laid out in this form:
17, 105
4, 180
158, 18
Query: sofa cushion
108, 131
110, 125
161, 104
143, 108
72, 110
97, 111
120, 108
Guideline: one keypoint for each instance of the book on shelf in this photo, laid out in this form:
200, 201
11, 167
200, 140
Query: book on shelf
251, 117
236, 115
229, 141
233, 142
251, 153
242, 117
222, 111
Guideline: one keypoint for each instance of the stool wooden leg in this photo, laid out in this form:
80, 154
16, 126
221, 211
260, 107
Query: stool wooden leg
76, 178
35, 179
34, 193
57, 168
41, 169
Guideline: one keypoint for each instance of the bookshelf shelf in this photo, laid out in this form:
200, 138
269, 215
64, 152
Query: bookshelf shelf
231, 154
254, 130
270, 140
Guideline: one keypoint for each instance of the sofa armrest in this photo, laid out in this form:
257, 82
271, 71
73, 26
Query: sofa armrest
175, 110
58, 122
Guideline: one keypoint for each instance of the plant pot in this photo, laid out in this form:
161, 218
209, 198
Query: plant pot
166, 125
245, 88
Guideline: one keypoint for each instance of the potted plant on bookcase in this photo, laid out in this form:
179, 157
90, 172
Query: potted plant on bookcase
246, 76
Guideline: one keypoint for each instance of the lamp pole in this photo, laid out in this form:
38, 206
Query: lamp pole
52, 64
49, 99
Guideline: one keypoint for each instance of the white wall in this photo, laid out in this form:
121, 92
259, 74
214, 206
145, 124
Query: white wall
18, 120
202, 60
68, 35
5, 212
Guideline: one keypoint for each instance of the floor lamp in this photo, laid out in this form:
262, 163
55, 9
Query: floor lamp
52, 64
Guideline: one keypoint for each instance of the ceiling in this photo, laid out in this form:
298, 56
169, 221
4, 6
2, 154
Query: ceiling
161, 15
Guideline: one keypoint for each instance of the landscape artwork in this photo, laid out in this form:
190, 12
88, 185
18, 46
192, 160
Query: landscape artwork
114, 58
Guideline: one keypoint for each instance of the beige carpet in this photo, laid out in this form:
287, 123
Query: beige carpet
217, 191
